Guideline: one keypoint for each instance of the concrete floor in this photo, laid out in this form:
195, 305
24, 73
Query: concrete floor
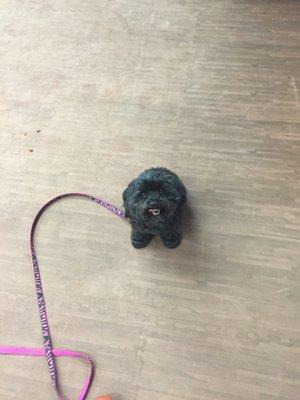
92, 92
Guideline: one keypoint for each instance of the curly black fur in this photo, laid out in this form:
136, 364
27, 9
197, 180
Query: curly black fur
153, 203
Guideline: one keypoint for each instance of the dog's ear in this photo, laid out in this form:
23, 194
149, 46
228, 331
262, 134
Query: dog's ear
182, 192
179, 189
127, 192
183, 197
126, 196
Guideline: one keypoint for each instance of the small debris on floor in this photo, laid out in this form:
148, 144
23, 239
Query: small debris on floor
31, 150
38, 131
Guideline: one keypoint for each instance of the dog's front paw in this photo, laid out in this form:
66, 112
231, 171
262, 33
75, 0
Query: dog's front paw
171, 240
140, 240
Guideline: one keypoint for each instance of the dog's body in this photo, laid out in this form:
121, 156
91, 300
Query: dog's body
153, 203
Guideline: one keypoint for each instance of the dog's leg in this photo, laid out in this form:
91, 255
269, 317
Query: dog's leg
139, 239
171, 239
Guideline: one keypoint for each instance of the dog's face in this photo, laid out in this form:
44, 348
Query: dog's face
154, 196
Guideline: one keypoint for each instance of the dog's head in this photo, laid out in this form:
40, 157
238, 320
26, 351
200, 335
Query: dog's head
154, 196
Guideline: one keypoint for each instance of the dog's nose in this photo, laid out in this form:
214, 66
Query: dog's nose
153, 204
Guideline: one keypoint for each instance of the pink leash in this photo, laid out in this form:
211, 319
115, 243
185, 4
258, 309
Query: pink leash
48, 350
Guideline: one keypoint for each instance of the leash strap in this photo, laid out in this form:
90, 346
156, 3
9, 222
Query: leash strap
48, 350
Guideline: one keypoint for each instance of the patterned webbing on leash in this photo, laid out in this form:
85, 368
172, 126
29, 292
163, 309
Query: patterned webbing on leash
48, 350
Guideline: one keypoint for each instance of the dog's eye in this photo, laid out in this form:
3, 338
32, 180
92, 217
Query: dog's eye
161, 192
144, 194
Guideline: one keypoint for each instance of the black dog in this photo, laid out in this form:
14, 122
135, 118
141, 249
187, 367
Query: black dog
153, 203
